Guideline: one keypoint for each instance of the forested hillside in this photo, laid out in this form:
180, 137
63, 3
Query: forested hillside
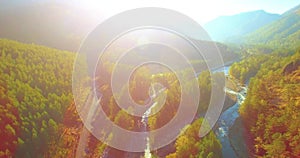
38, 115
188, 144
271, 109
284, 32
139, 85
248, 67
227, 28
35, 89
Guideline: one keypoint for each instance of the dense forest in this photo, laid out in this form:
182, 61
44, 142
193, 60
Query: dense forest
271, 109
247, 68
39, 118
33, 98
188, 144
139, 84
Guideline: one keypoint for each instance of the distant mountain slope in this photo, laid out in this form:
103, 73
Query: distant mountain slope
227, 27
53, 24
284, 32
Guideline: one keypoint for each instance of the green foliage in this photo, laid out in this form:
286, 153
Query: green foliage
189, 144
38, 82
205, 90
124, 120
139, 85
9, 125
206, 82
272, 107
248, 67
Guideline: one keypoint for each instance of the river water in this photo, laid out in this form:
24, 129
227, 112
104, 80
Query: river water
228, 118
224, 123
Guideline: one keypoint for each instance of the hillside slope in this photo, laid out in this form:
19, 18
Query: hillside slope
270, 112
284, 32
227, 27
53, 24
35, 90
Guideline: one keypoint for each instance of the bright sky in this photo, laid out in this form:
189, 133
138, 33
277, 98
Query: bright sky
200, 10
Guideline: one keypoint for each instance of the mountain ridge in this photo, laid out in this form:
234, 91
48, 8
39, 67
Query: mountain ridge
284, 32
227, 27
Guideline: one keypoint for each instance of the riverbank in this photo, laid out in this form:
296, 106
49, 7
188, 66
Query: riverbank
233, 146
230, 99
237, 139
236, 132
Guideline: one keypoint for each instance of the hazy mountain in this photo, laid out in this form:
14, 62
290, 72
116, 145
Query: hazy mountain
54, 24
284, 32
228, 27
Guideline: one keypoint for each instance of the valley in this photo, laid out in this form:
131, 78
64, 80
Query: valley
51, 107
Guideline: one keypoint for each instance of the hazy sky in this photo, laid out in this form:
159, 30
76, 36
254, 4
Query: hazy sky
200, 10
